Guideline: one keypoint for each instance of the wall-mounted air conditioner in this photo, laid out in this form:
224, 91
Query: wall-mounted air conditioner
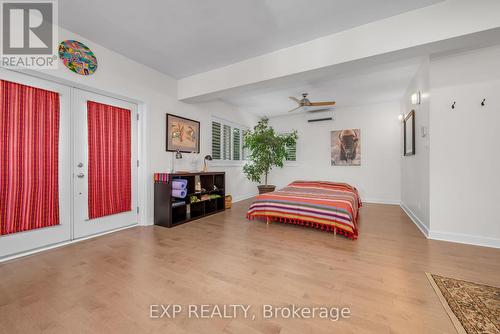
320, 116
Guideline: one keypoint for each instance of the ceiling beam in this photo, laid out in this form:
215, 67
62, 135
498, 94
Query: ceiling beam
443, 21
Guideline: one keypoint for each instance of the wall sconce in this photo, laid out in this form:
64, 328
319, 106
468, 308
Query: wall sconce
415, 98
423, 131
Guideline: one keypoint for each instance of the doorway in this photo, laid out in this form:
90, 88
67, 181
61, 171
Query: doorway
92, 142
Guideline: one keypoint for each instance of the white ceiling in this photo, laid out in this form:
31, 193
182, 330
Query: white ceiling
364, 85
185, 37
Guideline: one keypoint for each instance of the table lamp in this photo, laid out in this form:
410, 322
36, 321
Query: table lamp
208, 157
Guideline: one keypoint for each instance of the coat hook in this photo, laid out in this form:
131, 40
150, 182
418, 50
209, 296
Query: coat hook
483, 103
453, 105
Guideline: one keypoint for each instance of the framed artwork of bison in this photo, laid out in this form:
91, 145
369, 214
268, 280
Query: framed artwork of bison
346, 147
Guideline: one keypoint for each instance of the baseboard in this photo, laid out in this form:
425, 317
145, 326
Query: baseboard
449, 236
465, 239
380, 201
421, 226
364, 200
243, 197
60, 244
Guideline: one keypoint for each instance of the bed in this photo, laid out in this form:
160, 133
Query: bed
329, 206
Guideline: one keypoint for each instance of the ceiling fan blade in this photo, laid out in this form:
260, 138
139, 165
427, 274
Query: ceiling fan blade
294, 99
295, 109
326, 103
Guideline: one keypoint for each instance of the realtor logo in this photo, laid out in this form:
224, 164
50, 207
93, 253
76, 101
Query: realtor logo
28, 33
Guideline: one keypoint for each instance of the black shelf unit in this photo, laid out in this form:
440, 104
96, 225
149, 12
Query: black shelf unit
169, 211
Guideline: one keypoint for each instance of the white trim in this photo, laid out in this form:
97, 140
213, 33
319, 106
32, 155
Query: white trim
243, 197
61, 244
81, 227
227, 163
69, 83
421, 226
380, 201
367, 200
35, 238
145, 187
465, 239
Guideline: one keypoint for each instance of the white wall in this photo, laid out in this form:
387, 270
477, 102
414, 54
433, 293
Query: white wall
415, 168
236, 183
463, 174
378, 177
464, 154
157, 95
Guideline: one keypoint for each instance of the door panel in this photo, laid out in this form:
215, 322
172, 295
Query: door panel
44, 236
108, 179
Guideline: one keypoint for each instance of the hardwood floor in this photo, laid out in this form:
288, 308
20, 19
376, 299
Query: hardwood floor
107, 284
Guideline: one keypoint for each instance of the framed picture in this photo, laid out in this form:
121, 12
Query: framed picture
183, 134
409, 133
346, 147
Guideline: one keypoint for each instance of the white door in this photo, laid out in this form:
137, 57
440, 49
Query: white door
84, 223
36, 238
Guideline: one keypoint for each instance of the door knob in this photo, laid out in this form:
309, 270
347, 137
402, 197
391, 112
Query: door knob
80, 165
81, 175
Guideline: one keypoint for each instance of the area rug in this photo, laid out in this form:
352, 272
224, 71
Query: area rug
472, 307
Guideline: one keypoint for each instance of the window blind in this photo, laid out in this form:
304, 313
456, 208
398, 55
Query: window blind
226, 142
216, 152
291, 153
236, 144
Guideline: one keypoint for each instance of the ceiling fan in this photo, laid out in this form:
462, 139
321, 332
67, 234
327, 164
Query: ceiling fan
304, 102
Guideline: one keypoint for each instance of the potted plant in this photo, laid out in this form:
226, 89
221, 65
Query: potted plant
266, 149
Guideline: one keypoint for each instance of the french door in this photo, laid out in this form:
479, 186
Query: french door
105, 167
93, 169
25, 196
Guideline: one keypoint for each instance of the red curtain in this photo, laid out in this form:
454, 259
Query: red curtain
29, 130
110, 174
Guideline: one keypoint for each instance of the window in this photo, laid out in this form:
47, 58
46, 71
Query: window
291, 152
216, 140
227, 141
236, 144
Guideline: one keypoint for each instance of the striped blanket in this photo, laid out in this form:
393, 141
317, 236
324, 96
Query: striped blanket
325, 205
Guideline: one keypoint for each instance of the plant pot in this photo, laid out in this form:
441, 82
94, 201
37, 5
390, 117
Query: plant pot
266, 189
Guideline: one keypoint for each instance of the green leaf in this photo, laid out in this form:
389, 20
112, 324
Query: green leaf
266, 148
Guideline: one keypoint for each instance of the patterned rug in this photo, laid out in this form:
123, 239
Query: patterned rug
472, 307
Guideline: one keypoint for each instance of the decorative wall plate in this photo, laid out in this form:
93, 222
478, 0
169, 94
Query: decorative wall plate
77, 57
